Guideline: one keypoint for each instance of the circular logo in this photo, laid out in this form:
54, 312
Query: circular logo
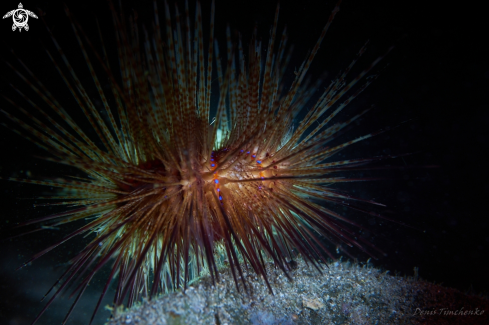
20, 17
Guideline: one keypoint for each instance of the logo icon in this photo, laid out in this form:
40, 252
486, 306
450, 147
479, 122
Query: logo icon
20, 17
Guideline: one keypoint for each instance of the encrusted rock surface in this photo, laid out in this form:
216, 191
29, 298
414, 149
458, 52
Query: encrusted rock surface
343, 294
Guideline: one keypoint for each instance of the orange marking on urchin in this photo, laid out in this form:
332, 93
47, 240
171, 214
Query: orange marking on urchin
169, 188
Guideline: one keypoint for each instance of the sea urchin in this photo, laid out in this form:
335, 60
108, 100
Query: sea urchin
173, 184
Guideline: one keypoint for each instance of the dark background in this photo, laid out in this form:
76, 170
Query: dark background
436, 82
